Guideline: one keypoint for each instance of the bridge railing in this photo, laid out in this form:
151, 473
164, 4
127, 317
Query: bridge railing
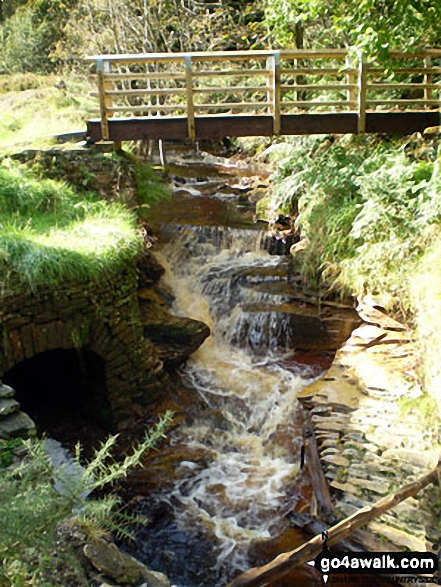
263, 83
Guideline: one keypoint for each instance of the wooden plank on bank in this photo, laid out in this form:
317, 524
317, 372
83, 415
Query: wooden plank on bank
315, 470
286, 562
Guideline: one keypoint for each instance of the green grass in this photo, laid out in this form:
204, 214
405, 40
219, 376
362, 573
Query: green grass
51, 235
368, 209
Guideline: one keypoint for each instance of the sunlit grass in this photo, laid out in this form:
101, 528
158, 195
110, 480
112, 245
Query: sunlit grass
50, 235
34, 109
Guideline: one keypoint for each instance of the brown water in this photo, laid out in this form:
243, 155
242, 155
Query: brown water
241, 474
232, 472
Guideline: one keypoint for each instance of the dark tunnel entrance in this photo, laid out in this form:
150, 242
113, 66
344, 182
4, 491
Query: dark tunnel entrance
64, 392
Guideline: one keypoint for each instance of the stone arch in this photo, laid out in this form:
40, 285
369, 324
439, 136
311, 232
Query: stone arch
62, 388
100, 318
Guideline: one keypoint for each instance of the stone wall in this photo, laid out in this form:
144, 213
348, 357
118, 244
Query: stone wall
103, 318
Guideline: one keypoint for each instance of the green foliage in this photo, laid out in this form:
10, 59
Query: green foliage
23, 43
368, 209
372, 26
425, 291
51, 235
425, 406
150, 188
29, 34
6, 449
36, 498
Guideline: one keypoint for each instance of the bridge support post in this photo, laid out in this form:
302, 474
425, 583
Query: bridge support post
190, 103
275, 94
362, 91
102, 68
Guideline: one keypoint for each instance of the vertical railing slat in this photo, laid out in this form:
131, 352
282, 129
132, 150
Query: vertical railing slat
190, 102
427, 78
351, 94
276, 92
362, 91
102, 66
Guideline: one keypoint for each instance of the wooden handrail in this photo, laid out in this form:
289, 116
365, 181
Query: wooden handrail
264, 82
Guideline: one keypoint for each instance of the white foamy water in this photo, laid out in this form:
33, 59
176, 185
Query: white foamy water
242, 495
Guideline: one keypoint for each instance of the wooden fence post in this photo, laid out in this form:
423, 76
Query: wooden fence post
190, 104
362, 91
102, 69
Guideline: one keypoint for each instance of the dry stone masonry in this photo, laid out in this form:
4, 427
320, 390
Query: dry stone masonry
103, 318
372, 436
13, 422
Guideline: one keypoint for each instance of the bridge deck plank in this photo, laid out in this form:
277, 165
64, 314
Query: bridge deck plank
214, 127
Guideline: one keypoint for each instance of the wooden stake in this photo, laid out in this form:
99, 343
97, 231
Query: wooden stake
286, 562
318, 479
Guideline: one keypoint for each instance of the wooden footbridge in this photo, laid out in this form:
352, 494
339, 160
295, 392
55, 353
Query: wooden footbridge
264, 93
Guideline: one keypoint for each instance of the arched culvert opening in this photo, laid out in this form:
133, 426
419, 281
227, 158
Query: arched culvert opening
64, 392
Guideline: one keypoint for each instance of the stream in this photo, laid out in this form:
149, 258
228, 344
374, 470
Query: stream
239, 473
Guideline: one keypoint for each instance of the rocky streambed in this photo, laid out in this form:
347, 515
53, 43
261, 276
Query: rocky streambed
241, 353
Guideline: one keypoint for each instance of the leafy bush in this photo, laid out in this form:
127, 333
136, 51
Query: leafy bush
37, 496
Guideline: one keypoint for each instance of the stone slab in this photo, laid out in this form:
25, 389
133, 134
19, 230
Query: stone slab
18, 424
7, 407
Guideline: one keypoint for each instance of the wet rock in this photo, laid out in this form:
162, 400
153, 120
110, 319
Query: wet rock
174, 337
120, 567
150, 270
6, 391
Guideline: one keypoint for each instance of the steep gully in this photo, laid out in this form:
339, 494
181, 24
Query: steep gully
217, 498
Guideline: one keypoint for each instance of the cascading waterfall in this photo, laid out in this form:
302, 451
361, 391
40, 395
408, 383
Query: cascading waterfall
247, 487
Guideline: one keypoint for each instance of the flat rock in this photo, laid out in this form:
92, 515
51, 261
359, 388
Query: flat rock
121, 567
374, 316
426, 459
399, 537
17, 424
345, 487
6, 391
375, 485
336, 460
8, 406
